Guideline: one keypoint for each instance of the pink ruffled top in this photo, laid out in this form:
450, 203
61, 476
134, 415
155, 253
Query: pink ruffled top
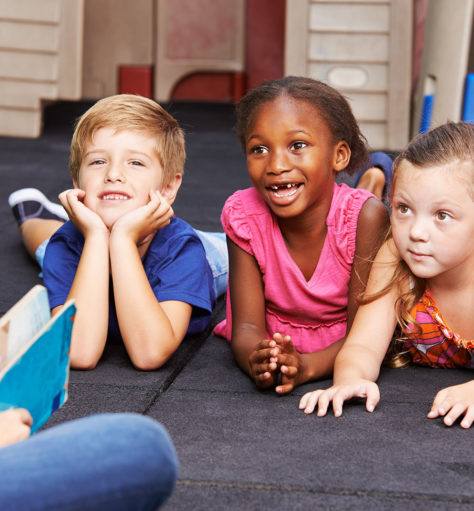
314, 312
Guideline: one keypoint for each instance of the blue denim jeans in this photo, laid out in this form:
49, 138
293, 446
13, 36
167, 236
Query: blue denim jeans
102, 462
215, 245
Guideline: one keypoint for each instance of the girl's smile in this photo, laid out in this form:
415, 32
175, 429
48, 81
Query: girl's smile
291, 156
284, 193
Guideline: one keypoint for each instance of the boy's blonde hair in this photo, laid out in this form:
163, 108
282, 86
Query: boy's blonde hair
135, 113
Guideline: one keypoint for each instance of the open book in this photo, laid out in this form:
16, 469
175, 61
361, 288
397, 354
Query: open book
34, 356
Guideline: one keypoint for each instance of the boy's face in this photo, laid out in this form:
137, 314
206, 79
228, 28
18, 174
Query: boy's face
118, 171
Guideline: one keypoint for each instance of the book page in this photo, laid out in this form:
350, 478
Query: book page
23, 322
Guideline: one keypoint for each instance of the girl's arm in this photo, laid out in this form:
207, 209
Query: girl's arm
250, 345
358, 363
151, 330
372, 226
90, 288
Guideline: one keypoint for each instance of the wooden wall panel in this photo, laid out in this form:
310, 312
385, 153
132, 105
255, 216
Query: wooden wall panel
31, 10
363, 49
40, 59
29, 36
197, 36
116, 33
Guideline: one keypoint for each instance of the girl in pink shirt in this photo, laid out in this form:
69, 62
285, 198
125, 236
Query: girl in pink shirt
299, 244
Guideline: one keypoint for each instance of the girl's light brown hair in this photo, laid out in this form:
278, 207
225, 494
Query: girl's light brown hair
135, 113
451, 142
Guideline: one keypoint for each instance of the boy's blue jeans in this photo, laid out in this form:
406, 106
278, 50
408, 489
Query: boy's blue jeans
215, 245
102, 462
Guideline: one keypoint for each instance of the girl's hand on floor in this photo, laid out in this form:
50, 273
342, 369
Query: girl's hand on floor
453, 402
338, 394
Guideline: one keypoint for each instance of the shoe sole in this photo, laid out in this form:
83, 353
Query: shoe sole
32, 194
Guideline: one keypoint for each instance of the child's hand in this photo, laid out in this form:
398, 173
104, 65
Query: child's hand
289, 361
144, 222
263, 364
452, 402
338, 394
80, 215
15, 425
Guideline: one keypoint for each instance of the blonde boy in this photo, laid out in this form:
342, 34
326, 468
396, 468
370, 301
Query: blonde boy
135, 271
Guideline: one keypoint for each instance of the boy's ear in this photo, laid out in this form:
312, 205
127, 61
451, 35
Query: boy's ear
342, 156
170, 190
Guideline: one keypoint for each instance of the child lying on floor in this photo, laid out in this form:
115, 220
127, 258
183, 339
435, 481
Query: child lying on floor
299, 244
422, 279
136, 272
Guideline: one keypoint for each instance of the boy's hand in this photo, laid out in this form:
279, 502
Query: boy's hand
289, 361
263, 364
15, 425
453, 402
338, 394
145, 221
80, 215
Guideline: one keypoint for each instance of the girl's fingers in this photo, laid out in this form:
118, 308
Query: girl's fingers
285, 388
456, 411
277, 338
466, 423
323, 402
444, 407
263, 376
261, 355
368, 390
440, 405
373, 397
338, 401
304, 400
309, 400
290, 371
288, 360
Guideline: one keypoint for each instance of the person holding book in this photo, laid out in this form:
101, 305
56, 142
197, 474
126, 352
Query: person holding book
109, 461
135, 271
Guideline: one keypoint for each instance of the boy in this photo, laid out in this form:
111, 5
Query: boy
134, 270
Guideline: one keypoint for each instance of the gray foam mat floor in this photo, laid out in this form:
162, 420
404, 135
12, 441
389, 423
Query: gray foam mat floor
241, 448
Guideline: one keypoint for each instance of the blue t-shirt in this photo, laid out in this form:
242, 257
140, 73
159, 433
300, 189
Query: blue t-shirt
175, 264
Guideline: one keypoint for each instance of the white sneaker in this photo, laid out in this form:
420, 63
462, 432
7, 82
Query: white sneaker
30, 203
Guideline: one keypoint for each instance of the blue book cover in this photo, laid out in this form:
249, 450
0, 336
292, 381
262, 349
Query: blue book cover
34, 356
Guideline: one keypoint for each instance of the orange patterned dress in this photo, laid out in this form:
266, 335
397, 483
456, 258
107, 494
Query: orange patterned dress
437, 345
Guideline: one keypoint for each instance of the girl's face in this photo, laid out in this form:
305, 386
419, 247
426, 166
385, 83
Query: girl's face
291, 156
433, 219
